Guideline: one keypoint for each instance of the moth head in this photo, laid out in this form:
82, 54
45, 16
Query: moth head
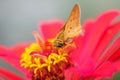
58, 43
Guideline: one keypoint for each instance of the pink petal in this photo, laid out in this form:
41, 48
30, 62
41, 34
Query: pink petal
10, 75
80, 41
72, 74
8, 55
19, 48
13, 61
106, 70
98, 28
117, 65
87, 26
115, 56
1, 78
14, 51
106, 39
6, 52
81, 70
114, 47
12, 55
50, 28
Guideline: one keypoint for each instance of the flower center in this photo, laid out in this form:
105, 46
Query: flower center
46, 62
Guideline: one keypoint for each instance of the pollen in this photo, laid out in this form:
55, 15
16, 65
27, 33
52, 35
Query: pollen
44, 63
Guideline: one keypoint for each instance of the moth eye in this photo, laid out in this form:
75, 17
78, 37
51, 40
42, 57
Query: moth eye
60, 45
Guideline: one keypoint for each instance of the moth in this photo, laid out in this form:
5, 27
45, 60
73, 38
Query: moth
70, 30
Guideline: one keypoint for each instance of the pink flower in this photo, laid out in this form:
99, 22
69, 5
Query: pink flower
98, 51
96, 55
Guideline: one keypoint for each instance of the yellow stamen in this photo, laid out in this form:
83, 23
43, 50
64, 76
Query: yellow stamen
41, 64
26, 58
48, 63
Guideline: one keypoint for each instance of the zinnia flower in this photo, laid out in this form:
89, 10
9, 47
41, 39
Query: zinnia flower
93, 56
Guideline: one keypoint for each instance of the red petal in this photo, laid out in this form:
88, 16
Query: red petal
117, 65
87, 26
13, 61
12, 55
115, 56
1, 78
50, 28
105, 40
9, 75
112, 49
96, 32
80, 41
20, 48
72, 74
106, 70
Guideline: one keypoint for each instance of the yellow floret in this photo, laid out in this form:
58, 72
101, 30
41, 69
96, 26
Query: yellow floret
34, 63
26, 58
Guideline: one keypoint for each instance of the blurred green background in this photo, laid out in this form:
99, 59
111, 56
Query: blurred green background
18, 18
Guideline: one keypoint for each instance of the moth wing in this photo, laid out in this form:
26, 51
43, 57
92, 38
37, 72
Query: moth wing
72, 26
60, 34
